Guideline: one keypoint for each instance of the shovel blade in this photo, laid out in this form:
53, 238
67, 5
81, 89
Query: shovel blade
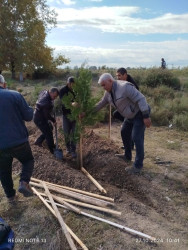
58, 153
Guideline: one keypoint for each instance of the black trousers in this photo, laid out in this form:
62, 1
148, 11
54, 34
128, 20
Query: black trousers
24, 155
69, 133
118, 116
47, 133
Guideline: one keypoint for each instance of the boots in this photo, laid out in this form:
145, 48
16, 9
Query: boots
25, 189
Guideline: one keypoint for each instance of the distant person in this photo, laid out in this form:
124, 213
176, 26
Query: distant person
122, 75
14, 111
68, 125
43, 117
132, 105
163, 63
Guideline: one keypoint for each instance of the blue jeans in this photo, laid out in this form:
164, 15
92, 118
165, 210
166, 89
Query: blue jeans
69, 133
133, 129
22, 153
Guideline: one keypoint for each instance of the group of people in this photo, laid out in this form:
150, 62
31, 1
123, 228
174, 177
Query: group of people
123, 94
44, 117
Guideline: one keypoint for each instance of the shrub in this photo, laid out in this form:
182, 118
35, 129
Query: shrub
180, 105
156, 77
167, 105
32, 98
11, 85
41, 74
159, 116
181, 121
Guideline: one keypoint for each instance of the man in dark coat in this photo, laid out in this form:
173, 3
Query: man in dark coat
43, 117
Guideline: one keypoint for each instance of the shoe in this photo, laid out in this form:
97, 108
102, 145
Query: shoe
133, 170
68, 153
12, 199
25, 189
122, 156
39, 144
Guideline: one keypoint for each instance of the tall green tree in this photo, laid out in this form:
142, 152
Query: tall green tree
24, 25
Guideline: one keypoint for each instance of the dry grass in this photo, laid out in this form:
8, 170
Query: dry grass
36, 228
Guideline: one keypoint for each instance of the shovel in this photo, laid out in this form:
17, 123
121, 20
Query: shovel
57, 151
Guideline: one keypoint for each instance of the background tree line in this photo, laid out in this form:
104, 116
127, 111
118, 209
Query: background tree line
24, 25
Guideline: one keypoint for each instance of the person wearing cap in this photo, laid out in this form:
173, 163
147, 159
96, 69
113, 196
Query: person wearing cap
122, 75
163, 63
43, 117
68, 125
132, 105
14, 111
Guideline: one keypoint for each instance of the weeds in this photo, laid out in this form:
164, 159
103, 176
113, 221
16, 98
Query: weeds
173, 145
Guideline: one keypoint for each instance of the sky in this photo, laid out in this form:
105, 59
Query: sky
121, 33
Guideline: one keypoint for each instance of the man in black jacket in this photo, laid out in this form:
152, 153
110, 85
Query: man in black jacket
43, 117
68, 125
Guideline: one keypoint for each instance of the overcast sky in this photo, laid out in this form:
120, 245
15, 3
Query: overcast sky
121, 33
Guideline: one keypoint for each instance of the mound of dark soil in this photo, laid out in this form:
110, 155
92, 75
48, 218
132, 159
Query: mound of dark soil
99, 160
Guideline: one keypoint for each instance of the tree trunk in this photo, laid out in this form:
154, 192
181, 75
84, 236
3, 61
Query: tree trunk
13, 70
21, 76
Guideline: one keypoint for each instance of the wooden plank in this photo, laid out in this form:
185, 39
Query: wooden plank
77, 190
73, 208
53, 212
82, 204
59, 217
78, 196
93, 180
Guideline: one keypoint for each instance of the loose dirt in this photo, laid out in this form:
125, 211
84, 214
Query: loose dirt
154, 202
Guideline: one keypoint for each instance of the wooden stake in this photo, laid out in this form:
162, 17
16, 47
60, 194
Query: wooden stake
77, 190
81, 204
81, 155
59, 217
71, 207
129, 230
109, 131
78, 196
53, 212
93, 180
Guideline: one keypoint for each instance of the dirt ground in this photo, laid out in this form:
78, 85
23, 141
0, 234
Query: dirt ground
154, 202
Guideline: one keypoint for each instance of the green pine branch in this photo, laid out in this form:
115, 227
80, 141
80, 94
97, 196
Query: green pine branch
85, 101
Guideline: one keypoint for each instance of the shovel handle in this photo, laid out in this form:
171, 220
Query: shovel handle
56, 136
56, 131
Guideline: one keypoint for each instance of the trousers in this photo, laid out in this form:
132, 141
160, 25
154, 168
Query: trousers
47, 133
134, 129
24, 155
69, 133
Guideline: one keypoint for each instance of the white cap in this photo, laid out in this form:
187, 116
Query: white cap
2, 79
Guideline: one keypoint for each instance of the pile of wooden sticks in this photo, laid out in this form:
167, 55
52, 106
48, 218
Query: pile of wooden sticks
80, 198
